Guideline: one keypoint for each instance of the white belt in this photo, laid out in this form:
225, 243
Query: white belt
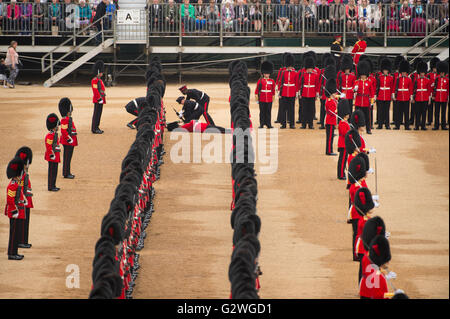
309, 86
441, 90
422, 90
289, 84
403, 89
266, 91
384, 88
347, 88
359, 53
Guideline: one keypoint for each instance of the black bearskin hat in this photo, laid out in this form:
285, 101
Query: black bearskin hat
433, 62
352, 141
415, 63
363, 68
363, 201
422, 67
312, 55
330, 87
266, 67
99, 67
386, 65
14, 168
65, 106
347, 63
379, 251
284, 58
357, 119
356, 170
52, 121
330, 72
400, 294
403, 67
309, 63
290, 60
365, 158
343, 108
442, 67
374, 226
25, 154
398, 59
180, 98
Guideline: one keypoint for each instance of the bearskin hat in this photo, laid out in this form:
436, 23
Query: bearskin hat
374, 226
173, 125
365, 158
347, 63
330, 72
283, 58
357, 119
403, 67
400, 294
312, 55
363, 68
180, 98
398, 59
363, 201
422, 67
356, 170
385, 64
25, 154
309, 63
330, 87
352, 141
14, 168
328, 59
416, 62
99, 67
369, 62
442, 67
343, 108
433, 62
266, 67
290, 60
52, 121
65, 106
379, 251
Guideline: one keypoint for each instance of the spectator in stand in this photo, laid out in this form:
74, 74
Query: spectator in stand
155, 15
393, 17
337, 16
170, 17
295, 10
405, 17
40, 16
228, 16
84, 14
241, 17
282, 16
13, 16
187, 15
3, 7
378, 16
310, 15
269, 12
26, 12
200, 16
12, 63
256, 16
68, 11
351, 12
110, 9
100, 13
433, 15
54, 13
443, 14
323, 15
365, 16
418, 18
213, 17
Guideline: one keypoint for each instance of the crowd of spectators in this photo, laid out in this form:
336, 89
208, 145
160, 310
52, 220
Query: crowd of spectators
405, 17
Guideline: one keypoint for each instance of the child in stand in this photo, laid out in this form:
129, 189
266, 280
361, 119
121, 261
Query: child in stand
52, 151
26, 155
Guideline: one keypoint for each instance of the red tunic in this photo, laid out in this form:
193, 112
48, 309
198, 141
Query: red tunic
28, 194
265, 89
364, 92
308, 84
358, 49
403, 88
65, 132
422, 89
373, 284
346, 84
280, 71
98, 89
343, 128
288, 83
385, 87
359, 247
11, 205
440, 89
52, 147
352, 191
331, 109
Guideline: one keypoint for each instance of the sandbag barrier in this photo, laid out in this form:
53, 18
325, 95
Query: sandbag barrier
244, 270
116, 261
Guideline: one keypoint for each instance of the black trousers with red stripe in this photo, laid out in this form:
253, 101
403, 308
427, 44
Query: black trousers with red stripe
430, 109
367, 116
420, 114
96, 116
265, 111
67, 158
440, 109
402, 114
342, 162
25, 227
322, 112
288, 110
354, 233
383, 113
329, 130
205, 104
52, 174
300, 110
15, 226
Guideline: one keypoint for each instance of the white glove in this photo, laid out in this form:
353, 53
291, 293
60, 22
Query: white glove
376, 204
342, 96
356, 88
100, 101
391, 275
376, 197
52, 157
370, 171
70, 140
399, 291
15, 215
387, 235
372, 150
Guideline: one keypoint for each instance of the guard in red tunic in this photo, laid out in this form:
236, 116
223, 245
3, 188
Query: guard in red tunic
288, 91
99, 96
277, 82
308, 87
383, 95
403, 90
373, 227
358, 49
346, 80
26, 155
395, 108
440, 95
327, 73
264, 92
68, 135
421, 95
15, 206
365, 92
343, 128
52, 150
432, 75
330, 117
